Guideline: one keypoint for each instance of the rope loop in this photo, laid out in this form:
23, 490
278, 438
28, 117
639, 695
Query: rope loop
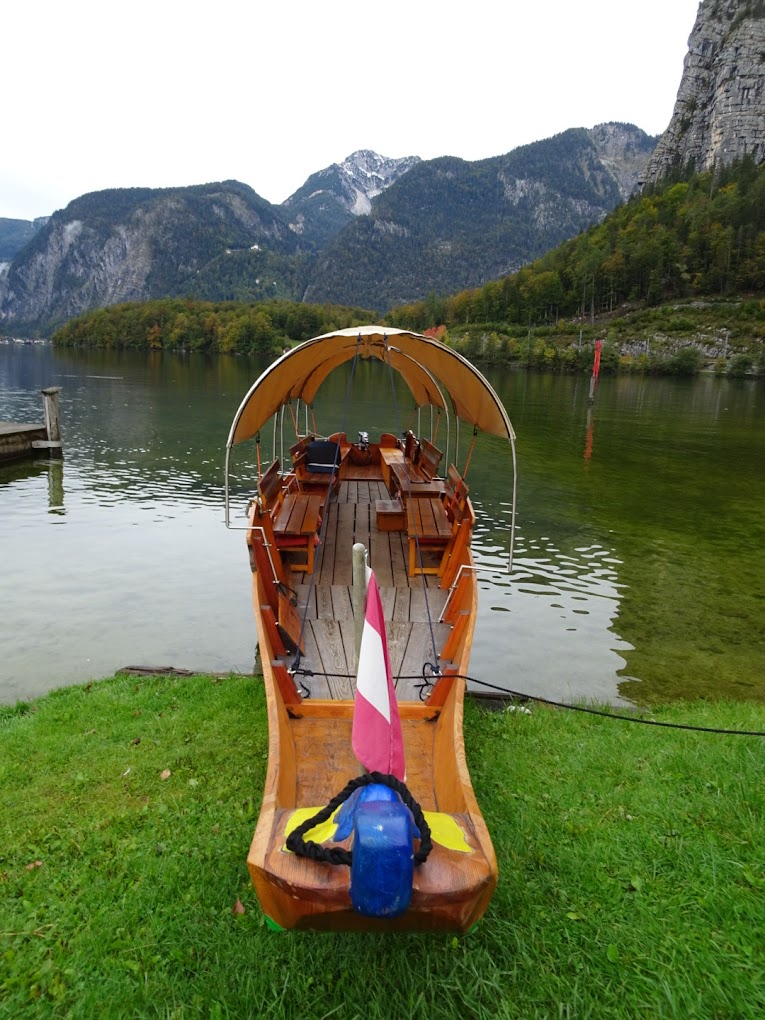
339, 855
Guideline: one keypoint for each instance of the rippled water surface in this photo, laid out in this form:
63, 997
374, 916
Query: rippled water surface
640, 551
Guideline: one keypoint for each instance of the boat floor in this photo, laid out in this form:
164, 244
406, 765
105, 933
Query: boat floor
411, 606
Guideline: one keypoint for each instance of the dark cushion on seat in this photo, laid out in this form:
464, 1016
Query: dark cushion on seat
322, 455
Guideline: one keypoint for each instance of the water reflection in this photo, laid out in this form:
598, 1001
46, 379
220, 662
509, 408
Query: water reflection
638, 570
563, 606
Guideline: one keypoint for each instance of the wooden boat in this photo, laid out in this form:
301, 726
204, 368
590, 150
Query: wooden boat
416, 526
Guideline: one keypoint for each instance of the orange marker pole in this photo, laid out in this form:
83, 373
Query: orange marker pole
595, 370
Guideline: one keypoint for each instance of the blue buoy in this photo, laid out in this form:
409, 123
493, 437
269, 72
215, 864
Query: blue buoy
382, 869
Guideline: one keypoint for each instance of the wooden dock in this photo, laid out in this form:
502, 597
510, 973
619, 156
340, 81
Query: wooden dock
18, 441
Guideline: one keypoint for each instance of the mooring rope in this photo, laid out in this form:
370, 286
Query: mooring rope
520, 696
337, 854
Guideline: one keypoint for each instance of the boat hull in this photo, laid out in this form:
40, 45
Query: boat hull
310, 760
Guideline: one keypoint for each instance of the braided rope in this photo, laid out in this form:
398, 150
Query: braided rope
337, 854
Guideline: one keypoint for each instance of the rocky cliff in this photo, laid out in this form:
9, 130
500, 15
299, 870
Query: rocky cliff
131, 244
719, 114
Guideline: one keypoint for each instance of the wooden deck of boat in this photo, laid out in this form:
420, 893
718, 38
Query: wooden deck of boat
409, 604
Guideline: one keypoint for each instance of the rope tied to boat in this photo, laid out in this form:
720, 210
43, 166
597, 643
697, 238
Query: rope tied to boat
339, 855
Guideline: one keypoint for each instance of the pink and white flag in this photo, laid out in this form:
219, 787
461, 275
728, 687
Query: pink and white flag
377, 739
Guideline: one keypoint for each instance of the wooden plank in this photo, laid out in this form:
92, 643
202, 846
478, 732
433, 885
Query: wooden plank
379, 556
317, 685
273, 636
343, 573
326, 570
348, 634
362, 531
344, 709
401, 608
388, 599
455, 639
419, 650
302, 592
311, 517
284, 682
324, 608
398, 558
329, 639
418, 608
397, 634
342, 609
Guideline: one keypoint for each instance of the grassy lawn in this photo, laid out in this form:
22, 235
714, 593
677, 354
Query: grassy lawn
632, 868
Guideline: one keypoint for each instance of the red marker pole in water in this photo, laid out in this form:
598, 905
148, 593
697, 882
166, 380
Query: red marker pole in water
595, 370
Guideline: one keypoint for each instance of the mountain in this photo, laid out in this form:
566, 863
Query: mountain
332, 197
449, 224
14, 234
719, 114
369, 231
135, 243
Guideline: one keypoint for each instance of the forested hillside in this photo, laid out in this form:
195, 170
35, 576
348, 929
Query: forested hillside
449, 223
223, 327
673, 280
696, 238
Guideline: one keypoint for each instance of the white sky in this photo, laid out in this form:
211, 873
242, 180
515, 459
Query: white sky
101, 94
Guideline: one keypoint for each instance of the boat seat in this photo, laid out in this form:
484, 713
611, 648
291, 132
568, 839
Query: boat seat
317, 464
441, 528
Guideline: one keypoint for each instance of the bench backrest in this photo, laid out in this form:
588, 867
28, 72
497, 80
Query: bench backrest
410, 446
430, 458
270, 486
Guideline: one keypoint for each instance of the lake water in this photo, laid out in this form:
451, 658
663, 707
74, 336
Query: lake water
639, 573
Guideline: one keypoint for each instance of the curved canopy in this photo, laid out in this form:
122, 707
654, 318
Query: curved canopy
298, 374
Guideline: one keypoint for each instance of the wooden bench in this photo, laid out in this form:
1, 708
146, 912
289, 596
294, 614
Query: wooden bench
296, 524
418, 466
294, 518
439, 527
390, 456
429, 527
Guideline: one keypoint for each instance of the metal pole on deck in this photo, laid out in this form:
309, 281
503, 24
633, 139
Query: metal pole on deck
358, 596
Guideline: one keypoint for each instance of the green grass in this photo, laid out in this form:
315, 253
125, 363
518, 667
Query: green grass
632, 875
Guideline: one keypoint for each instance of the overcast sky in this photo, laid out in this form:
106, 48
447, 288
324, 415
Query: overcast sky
161, 93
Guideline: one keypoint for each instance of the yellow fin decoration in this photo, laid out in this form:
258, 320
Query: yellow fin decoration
319, 833
445, 831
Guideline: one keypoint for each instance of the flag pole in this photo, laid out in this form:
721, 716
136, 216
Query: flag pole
358, 596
